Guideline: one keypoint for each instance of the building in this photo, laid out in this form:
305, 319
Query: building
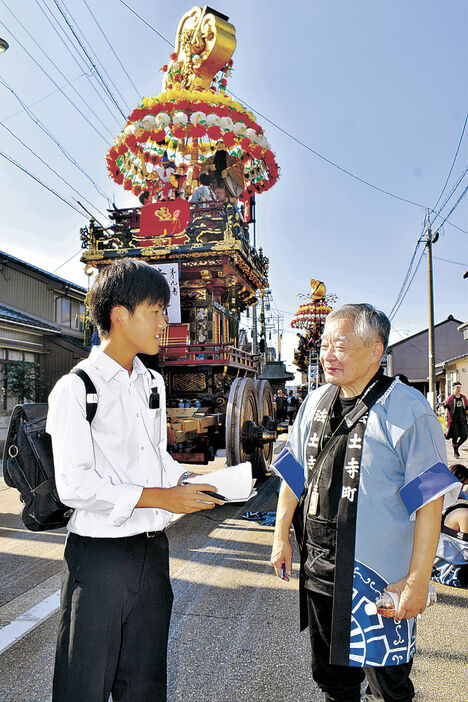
276, 374
410, 356
41, 331
455, 369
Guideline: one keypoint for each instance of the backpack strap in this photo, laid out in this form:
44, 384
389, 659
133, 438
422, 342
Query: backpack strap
91, 393
153, 381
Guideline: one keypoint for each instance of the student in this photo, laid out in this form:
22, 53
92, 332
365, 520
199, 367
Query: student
123, 486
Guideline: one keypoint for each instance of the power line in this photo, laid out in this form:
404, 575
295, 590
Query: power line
83, 48
327, 160
54, 82
408, 273
38, 180
34, 153
113, 50
453, 161
96, 57
455, 206
457, 263
401, 295
57, 68
46, 97
65, 262
395, 309
46, 131
447, 199
73, 52
147, 23
457, 227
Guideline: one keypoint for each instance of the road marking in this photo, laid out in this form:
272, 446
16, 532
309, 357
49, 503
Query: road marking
28, 621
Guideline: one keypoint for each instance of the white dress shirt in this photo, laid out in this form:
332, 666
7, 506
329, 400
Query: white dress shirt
102, 468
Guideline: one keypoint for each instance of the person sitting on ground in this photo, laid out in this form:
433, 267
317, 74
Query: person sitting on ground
461, 473
203, 193
451, 560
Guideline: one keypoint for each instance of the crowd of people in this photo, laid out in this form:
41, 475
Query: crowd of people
286, 405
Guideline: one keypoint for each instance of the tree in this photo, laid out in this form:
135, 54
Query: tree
23, 380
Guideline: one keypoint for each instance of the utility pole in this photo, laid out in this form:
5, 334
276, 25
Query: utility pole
254, 329
279, 338
429, 241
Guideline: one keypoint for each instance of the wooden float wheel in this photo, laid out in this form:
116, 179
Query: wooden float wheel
242, 407
264, 455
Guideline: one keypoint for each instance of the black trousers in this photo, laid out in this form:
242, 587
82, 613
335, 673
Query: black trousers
459, 431
116, 605
342, 683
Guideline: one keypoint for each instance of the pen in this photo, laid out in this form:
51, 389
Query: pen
283, 570
214, 494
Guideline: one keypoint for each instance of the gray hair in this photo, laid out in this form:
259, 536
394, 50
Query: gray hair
368, 322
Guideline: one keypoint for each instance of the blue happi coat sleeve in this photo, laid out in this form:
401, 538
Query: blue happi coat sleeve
422, 451
289, 464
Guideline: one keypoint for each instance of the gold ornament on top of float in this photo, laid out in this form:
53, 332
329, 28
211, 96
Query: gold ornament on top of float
204, 44
175, 136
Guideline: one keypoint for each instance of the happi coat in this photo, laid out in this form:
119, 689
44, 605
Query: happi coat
450, 404
398, 466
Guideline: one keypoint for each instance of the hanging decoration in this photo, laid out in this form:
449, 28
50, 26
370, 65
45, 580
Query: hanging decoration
192, 119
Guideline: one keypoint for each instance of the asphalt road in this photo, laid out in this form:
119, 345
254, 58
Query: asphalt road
234, 633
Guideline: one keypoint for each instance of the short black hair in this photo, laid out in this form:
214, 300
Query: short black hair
205, 179
459, 471
144, 196
127, 282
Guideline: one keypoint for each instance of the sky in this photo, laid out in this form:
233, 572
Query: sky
377, 88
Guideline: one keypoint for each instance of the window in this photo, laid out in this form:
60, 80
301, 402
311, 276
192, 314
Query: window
79, 312
31, 376
63, 311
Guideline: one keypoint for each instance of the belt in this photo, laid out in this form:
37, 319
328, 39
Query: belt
152, 534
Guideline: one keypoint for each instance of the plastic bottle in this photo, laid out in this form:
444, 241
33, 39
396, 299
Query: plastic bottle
387, 604
187, 403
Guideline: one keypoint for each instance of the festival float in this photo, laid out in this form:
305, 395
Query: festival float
310, 317
214, 397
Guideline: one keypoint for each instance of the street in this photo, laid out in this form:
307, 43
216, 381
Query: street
234, 633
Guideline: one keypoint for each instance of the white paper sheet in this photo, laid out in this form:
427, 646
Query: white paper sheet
233, 482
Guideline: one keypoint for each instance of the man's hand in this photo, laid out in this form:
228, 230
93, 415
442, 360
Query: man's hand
413, 596
413, 588
281, 555
182, 499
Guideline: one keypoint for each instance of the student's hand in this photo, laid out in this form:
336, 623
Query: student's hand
281, 556
413, 596
184, 499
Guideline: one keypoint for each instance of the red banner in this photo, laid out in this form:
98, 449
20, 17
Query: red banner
162, 221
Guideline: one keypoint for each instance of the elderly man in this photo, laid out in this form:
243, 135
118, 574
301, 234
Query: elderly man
371, 454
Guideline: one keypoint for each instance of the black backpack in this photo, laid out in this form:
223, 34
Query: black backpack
28, 463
